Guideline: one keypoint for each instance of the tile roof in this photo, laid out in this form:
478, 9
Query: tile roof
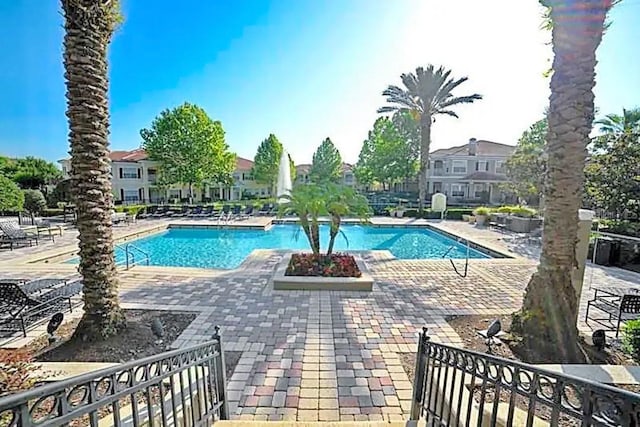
484, 148
139, 154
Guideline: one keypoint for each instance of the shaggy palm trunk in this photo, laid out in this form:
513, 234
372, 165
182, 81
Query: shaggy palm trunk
314, 230
333, 232
304, 223
547, 320
88, 29
425, 143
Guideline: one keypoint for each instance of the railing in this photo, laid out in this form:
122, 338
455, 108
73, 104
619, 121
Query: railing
466, 261
453, 386
131, 249
180, 387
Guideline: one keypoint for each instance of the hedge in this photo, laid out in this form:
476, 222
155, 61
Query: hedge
454, 213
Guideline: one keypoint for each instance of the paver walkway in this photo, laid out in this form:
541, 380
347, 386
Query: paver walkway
326, 355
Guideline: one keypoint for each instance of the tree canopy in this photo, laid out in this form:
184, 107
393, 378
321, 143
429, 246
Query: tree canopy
526, 167
189, 146
613, 173
628, 122
326, 165
266, 163
386, 156
30, 172
34, 201
11, 197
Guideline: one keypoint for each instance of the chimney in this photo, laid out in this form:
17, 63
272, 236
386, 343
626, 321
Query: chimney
473, 146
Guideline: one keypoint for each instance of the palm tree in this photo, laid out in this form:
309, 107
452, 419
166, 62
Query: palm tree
343, 201
628, 122
307, 202
89, 25
547, 320
427, 93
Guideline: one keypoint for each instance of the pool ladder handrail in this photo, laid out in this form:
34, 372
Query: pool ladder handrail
466, 261
130, 258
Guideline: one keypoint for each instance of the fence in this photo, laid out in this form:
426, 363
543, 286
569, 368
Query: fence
179, 387
453, 386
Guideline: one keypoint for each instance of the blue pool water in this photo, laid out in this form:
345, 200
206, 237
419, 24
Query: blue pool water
226, 249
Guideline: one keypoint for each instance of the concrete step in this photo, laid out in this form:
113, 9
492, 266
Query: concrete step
248, 423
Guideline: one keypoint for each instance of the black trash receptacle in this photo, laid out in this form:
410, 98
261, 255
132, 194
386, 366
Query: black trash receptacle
603, 251
615, 257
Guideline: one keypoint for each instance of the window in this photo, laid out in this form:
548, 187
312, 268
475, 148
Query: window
129, 173
482, 165
247, 176
478, 190
459, 166
499, 166
130, 195
457, 190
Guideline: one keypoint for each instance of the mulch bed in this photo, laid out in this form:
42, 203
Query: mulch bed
466, 327
334, 265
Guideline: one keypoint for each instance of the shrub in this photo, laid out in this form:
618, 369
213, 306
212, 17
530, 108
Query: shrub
484, 211
524, 212
11, 197
34, 202
505, 209
334, 265
631, 339
456, 214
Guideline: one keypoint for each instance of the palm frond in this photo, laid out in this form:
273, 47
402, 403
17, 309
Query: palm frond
460, 100
411, 82
445, 90
448, 113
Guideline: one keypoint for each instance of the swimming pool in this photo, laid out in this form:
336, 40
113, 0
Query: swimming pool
227, 248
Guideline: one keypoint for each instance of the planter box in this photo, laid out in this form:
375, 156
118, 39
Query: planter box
316, 283
523, 225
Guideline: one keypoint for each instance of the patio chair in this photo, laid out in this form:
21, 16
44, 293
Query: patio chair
181, 213
618, 309
24, 304
236, 213
14, 235
248, 212
265, 209
48, 229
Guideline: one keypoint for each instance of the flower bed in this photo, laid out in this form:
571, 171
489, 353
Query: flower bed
334, 265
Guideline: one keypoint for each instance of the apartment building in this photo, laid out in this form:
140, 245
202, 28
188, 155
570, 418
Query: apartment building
135, 179
471, 172
348, 177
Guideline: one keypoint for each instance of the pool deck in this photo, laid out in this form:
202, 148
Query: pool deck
321, 355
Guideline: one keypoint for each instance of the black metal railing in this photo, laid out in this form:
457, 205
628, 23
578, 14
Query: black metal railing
179, 387
453, 386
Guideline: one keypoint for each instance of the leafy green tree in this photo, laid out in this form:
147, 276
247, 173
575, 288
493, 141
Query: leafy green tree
613, 174
34, 202
8, 166
386, 156
189, 146
266, 163
409, 129
426, 94
526, 168
292, 168
35, 173
11, 197
326, 165
628, 122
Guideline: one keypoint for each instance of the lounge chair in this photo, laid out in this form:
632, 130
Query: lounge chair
26, 303
248, 212
13, 235
45, 227
195, 212
206, 212
236, 213
161, 212
118, 217
265, 209
182, 212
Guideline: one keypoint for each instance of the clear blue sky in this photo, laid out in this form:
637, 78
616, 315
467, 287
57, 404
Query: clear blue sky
302, 69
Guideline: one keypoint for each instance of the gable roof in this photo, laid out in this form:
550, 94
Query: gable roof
243, 164
484, 148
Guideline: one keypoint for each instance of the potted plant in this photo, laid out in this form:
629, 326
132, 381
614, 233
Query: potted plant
481, 213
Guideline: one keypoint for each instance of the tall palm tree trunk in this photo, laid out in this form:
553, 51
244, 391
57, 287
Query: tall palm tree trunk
89, 25
547, 321
425, 144
336, 221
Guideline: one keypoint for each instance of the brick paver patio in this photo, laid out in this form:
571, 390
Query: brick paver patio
327, 355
